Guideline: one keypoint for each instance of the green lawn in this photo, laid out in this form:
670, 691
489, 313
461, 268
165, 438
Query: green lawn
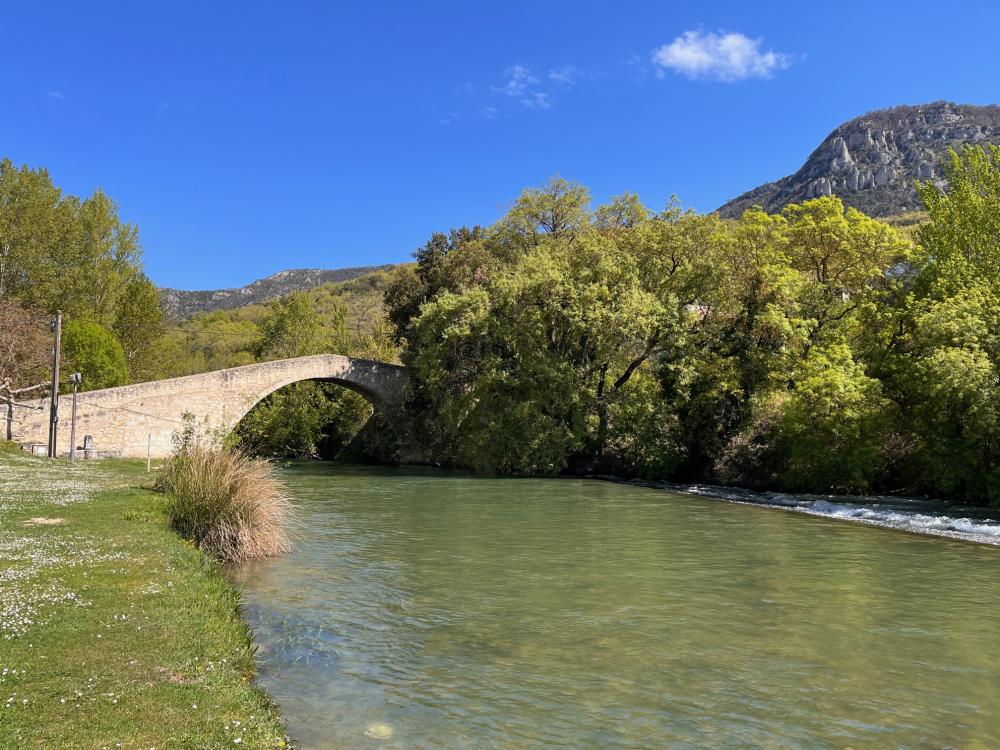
114, 633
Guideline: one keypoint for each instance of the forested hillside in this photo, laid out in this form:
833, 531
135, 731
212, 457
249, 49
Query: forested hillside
229, 338
180, 304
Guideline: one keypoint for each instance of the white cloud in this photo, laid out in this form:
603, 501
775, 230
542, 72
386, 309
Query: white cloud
536, 100
524, 86
725, 56
56, 95
489, 112
519, 80
564, 76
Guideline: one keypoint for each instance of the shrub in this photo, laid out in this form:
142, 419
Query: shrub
233, 507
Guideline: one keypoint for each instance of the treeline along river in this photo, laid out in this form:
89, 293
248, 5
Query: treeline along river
423, 609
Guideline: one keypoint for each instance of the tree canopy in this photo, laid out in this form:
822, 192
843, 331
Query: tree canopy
816, 349
60, 252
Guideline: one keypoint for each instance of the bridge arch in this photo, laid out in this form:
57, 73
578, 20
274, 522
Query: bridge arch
129, 419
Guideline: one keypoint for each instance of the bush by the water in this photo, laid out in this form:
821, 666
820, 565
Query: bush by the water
232, 506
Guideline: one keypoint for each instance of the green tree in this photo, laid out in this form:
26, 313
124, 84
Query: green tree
557, 209
831, 423
446, 262
92, 350
522, 368
737, 344
139, 326
57, 251
955, 392
958, 243
105, 255
942, 359
34, 224
293, 328
844, 260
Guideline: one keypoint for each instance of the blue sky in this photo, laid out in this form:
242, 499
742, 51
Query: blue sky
245, 138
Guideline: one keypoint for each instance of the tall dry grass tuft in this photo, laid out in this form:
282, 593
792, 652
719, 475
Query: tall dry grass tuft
234, 507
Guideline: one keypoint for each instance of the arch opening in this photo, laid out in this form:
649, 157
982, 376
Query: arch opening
316, 418
324, 406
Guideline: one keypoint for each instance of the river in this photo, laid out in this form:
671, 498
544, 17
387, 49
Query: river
423, 609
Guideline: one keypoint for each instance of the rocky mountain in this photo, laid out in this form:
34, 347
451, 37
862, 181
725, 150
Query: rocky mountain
180, 305
872, 161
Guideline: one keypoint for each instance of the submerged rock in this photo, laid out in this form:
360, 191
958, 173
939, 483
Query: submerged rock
379, 731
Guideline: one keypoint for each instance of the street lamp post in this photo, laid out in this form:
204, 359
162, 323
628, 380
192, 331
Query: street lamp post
76, 378
54, 401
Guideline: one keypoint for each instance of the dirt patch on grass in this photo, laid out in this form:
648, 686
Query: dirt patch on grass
44, 522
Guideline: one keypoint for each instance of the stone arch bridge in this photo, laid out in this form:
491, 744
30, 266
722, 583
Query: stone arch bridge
125, 420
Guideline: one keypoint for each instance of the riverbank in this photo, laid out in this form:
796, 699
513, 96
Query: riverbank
115, 633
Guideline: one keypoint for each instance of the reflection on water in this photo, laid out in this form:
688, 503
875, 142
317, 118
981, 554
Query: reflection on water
429, 610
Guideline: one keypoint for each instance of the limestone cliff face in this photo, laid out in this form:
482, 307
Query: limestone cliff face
178, 304
873, 161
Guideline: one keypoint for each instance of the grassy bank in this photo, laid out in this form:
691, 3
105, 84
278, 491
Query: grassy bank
114, 633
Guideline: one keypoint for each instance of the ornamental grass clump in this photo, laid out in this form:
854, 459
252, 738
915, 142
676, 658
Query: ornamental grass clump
233, 507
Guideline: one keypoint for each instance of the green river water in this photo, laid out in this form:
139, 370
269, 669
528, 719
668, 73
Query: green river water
460, 612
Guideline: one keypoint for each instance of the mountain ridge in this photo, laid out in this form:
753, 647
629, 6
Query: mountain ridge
180, 304
872, 162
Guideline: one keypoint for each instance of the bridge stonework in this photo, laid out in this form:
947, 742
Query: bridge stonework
124, 420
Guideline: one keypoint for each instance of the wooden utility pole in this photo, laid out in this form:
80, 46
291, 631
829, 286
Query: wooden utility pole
54, 402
